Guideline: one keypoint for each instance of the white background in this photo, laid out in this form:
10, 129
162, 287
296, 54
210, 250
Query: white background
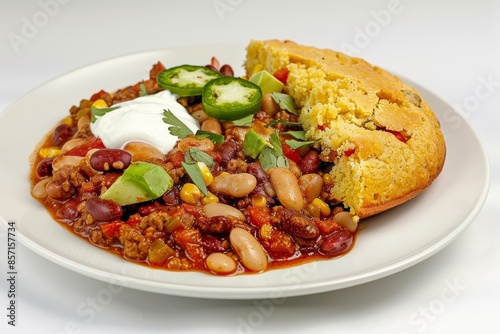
450, 47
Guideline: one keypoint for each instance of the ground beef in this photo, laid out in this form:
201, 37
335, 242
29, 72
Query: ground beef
135, 245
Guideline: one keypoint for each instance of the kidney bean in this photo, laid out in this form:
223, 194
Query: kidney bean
296, 224
103, 210
250, 251
310, 162
235, 185
55, 191
61, 134
217, 225
107, 159
227, 70
68, 212
221, 263
336, 243
44, 167
287, 188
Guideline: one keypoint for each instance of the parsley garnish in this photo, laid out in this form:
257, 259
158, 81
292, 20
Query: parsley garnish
98, 112
178, 128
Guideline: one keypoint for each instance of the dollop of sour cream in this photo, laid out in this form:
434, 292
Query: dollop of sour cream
141, 120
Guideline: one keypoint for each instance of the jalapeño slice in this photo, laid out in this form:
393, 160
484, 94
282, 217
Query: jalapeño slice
230, 98
186, 80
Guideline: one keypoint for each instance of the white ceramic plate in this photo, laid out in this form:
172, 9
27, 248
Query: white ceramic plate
391, 242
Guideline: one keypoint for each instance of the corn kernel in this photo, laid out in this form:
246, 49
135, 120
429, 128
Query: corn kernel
258, 68
259, 200
68, 121
265, 231
190, 193
324, 208
211, 198
327, 178
205, 173
49, 152
100, 103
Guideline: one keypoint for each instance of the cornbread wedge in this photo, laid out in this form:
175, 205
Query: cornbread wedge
383, 139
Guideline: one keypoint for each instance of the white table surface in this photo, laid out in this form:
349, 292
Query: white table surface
450, 47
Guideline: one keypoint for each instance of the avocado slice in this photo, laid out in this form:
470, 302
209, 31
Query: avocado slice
253, 144
140, 182
267, 82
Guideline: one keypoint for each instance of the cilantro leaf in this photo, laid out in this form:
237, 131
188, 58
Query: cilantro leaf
286, 102
178, 128
295, 144
194, 173
194, 155
245, 121
98, 112
273, 156
300, 135
215, 137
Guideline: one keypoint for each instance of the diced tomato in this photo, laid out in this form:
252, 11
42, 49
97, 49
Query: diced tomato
176, 157
110, 229
282, 75
398, 135
133, 220
191, 209
290, 153
259, 215
98, 95
321, 127
81, 151
349, 152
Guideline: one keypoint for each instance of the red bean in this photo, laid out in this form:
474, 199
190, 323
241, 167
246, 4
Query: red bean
68, 212
227, 70
44, 167
310, 162
108, 159
103, 210
56, 192
62, 134
336, 243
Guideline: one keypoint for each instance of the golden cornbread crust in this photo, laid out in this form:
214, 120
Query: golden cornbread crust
357, 111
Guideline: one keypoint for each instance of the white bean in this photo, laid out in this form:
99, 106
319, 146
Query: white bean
39, 191
220, 209
235, 185
250, 251
287, 188
221, 263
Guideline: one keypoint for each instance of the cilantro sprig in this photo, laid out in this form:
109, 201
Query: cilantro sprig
177, 128
190, 165
99, 112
